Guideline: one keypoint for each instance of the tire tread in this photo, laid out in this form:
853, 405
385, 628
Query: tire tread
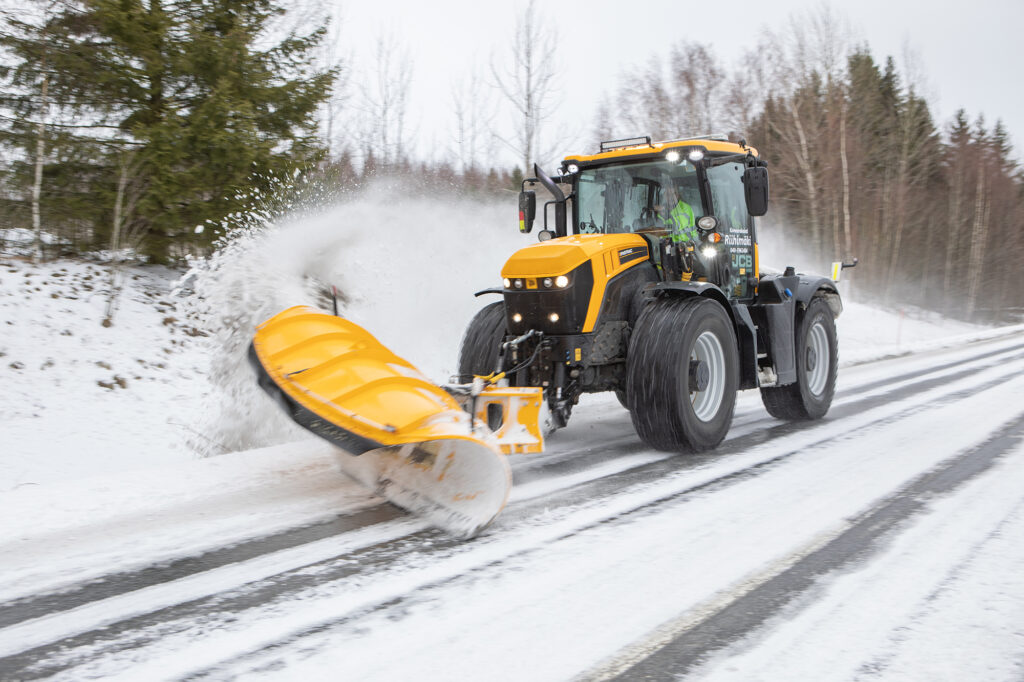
653, 389
789, 402
478, 353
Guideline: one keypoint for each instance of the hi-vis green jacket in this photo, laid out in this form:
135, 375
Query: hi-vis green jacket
684, 227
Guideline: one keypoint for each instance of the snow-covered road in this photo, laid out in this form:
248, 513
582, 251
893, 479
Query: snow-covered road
881, 542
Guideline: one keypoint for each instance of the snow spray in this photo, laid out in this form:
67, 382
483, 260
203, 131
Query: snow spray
405, 268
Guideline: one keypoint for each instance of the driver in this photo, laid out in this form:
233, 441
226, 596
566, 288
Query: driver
680, 217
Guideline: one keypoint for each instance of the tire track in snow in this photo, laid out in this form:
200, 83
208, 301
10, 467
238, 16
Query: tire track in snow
28, 608
149, 626
692, 643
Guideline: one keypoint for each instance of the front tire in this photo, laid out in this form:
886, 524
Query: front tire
682, 374
482, 341
817, 363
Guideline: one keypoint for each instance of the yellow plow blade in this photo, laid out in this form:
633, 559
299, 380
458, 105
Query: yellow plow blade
402, 436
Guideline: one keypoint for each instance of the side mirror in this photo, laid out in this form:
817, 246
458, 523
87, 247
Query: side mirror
527, 210
755, 190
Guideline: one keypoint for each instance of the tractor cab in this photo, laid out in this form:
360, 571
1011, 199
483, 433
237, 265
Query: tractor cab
691, 200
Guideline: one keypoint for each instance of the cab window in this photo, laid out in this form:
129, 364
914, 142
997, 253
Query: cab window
634, 197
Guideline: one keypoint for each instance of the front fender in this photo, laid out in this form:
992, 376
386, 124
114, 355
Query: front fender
687, 289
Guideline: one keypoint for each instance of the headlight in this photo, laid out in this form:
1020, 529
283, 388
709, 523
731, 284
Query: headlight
561, 281
553, 317
517, 318
709, 252
696, 155
548, 282
507, 282
518, 283
672, 156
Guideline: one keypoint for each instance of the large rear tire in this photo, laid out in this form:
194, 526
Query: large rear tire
482, 341
817, 363
682, 374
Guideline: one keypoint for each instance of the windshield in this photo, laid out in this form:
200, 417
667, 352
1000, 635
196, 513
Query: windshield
639, 197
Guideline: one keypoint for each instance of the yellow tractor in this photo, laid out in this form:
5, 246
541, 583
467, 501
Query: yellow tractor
648, 285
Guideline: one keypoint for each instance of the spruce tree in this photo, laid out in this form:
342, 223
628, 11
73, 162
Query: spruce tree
200, 101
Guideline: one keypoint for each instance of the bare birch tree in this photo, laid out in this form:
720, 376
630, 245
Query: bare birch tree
644, 105
333, 109
527, 82
40, 157
697, 81
122, 236
385, 103
475, 110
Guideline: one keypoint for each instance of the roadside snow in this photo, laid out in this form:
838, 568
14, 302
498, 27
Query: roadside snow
78, 398
867, 333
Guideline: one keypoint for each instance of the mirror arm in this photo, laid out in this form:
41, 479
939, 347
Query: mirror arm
549, 184
559, 201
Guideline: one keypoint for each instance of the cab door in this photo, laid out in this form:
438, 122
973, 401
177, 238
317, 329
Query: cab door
734, 224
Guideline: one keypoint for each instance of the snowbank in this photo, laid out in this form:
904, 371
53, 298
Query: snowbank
80, 398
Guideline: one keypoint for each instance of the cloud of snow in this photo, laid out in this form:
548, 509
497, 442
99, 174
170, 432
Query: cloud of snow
406, 268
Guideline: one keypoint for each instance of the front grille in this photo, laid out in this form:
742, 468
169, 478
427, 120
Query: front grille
536, 305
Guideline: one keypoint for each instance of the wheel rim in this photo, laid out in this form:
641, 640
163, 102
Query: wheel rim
708, 349
817, 360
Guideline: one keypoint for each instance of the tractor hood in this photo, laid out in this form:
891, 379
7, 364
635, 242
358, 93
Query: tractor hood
561, 256
558, 286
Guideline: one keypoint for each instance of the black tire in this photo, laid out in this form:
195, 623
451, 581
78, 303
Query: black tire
482, 341
672, 339
811, 396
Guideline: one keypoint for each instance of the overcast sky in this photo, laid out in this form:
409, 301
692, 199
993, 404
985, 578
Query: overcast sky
967, 54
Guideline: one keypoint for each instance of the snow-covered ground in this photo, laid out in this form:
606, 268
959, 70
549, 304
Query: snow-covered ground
103, 467
80, 398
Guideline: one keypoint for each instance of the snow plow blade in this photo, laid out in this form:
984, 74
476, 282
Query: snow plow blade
402, 436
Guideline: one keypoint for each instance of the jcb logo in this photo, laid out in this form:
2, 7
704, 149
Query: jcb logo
531, 283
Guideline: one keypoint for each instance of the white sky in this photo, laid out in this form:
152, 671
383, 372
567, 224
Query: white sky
968, 55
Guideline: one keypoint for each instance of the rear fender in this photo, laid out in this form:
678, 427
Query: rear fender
782, 299
811, 286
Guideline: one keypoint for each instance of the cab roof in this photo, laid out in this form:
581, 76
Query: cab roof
645, 148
